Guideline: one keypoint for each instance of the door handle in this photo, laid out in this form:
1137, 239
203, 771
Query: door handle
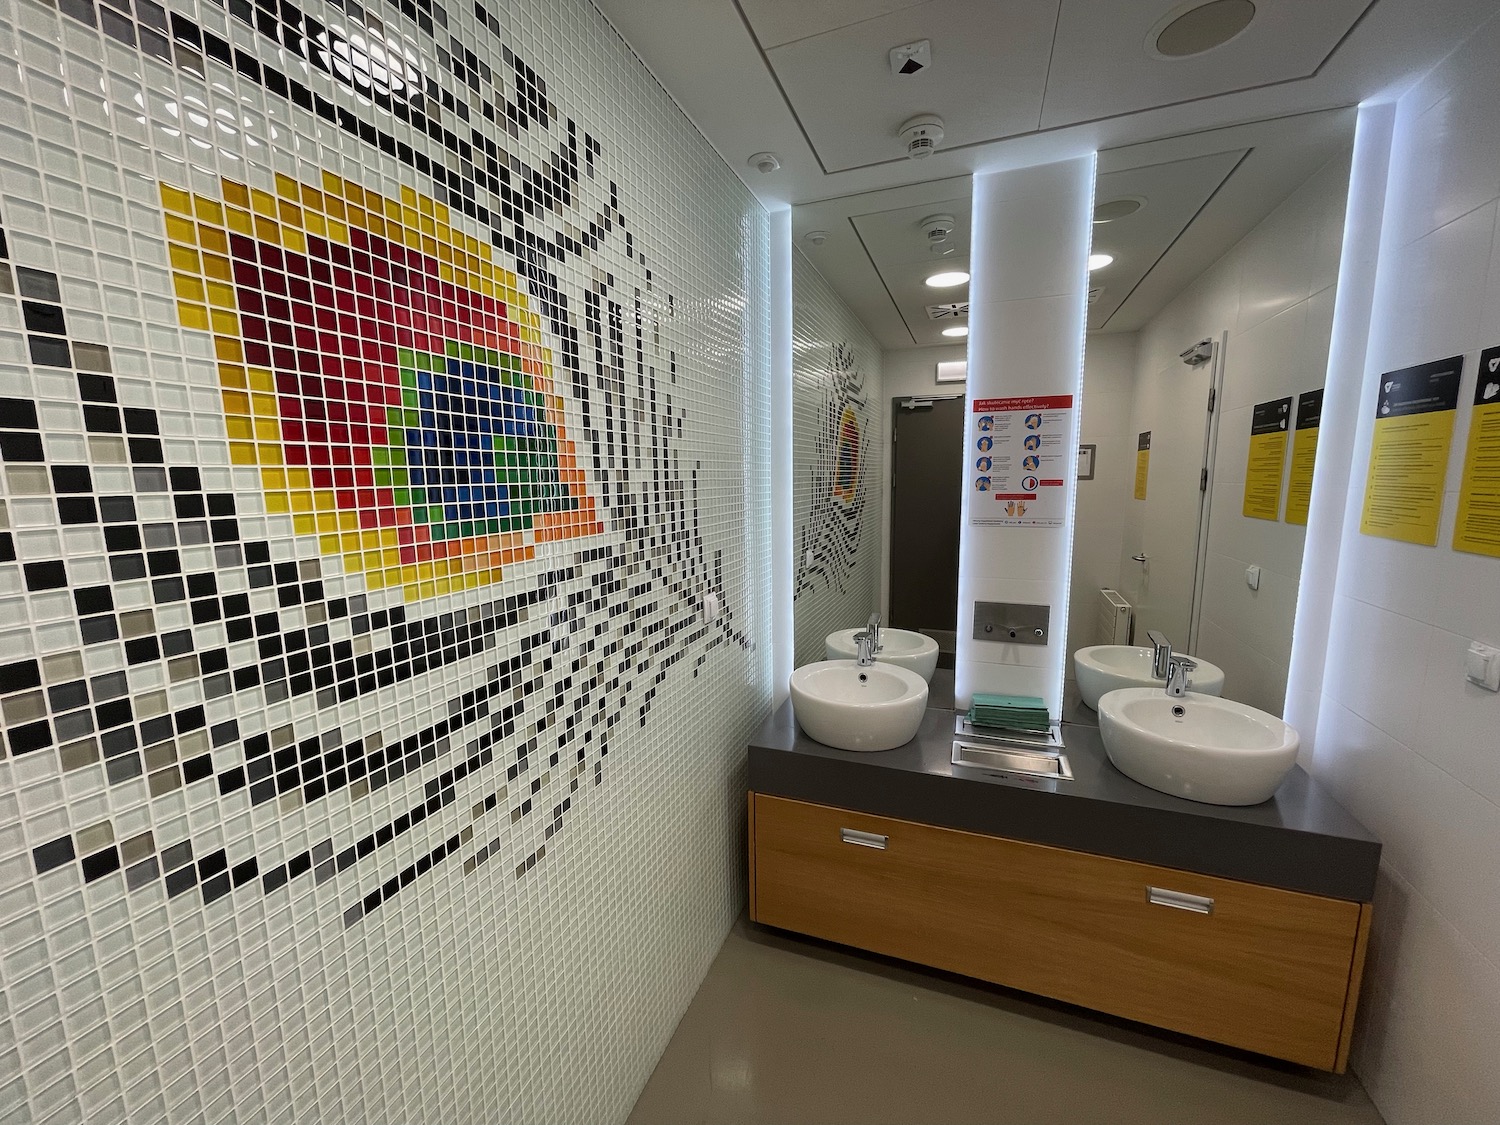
1179, 900
863, 839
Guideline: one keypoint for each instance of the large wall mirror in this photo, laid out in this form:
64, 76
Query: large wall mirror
1211, 307
1204, 369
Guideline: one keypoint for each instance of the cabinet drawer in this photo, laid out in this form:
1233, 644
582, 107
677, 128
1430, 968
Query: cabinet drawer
1254, 967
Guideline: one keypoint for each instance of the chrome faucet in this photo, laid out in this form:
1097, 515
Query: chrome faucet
868, 642
1161, 656
1177, 675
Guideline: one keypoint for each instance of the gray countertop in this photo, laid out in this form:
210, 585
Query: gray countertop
1301, 839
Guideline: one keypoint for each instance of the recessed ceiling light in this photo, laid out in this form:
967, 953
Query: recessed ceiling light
1099, 261
947, 279
957, 330
1112, 209
1194, 29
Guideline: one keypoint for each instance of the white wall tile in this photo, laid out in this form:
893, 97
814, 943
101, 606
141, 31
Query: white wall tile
551, 781
838, 532
1402, 741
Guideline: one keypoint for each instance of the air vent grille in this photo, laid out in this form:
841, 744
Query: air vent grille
954, 310
1095, 294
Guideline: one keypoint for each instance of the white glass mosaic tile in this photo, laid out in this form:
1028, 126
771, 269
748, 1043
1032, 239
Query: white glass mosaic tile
384, 565
839, 421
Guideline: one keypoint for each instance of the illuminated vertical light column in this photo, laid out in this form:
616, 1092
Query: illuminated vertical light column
1364, 218
1028, 298
783, 635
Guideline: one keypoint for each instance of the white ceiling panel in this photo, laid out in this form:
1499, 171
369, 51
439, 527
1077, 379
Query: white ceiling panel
781, 21
988, 72
846, 261
898, 246
1203, 192
1101, 65
1173, 194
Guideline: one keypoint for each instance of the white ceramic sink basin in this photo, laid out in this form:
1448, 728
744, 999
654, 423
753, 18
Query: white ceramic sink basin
914, 651
1103, 668
842, 705
1199, 746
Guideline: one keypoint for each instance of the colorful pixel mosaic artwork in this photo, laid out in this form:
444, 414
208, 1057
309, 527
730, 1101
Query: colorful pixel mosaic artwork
384, 489
384, 374
846, 461
387, 382
828, 547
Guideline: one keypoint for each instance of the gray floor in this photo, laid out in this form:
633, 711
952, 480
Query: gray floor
792, 1032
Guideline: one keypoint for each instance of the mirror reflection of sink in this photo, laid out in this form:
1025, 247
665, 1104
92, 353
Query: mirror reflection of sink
914, 651
842, 705
1198, 746
1103, 668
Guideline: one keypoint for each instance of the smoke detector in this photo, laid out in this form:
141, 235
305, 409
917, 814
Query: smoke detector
764, 162
937, 228
921, 135
816, 237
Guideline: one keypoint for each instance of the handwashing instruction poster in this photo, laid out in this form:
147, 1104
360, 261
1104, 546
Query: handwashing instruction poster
1304, 456
1269, 425
1414, 412
1018, 461
1478, 528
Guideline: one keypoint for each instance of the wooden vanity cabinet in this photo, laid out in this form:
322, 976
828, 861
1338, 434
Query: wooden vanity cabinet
1254, 967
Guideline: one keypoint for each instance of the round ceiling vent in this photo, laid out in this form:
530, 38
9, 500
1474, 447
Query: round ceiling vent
1193, 29
1112, 209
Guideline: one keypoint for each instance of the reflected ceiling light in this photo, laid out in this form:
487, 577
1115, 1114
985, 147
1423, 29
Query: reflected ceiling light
957, 330
947, 279
1099, 261
1112, 209
1194, 29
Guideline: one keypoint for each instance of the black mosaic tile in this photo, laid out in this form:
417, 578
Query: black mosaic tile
375, 648
53, 854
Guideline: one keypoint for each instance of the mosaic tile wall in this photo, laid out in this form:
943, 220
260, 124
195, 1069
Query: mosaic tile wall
838, 423
383, 552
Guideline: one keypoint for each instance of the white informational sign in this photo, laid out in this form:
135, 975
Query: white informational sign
1019, 450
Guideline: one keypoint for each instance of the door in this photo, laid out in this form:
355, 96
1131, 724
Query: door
1162, 559
926, 494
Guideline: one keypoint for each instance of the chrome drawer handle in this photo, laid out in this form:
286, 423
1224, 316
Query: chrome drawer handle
1179, 900
863, 839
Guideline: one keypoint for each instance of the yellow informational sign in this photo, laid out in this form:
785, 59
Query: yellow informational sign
1478, 528
1414, 413
1142, 463
1269, 423
1304, 455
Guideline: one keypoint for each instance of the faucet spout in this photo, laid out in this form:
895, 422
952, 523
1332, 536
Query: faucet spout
1177, 676
1161, 656
868, 642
